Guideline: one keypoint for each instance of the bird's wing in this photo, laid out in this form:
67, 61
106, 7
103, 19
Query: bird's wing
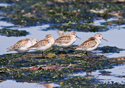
89, 43
19, 44
63, 39
40, 43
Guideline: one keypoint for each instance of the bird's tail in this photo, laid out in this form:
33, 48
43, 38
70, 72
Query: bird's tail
9, 49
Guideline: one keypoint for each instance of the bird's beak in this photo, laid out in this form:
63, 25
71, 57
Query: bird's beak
78, 37
104, 39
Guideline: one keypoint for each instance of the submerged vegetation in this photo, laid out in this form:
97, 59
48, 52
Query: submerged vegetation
56, 67
78, 27
82, 13
79, 82
109, 49
11, 32
59, 67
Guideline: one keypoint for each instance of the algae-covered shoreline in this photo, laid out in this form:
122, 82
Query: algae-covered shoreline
59, 67
56, 67
32, 13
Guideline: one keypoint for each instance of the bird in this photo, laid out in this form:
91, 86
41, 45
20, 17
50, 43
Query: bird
22, 45
44, 44
61, 33
66, 40
91, 43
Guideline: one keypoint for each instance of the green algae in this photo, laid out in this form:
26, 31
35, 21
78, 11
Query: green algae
68, 16
104, 72
10, 32
80, 82
110, 49
37, 68
32, 67
117, 22
77, 27
31, 13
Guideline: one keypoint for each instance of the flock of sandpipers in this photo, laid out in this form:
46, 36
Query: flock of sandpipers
65, 40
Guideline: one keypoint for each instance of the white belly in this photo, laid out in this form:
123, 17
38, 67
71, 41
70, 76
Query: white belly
22, 50
43, 48
25, 48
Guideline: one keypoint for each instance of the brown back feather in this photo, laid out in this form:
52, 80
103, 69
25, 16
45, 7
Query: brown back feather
88, 43
19, 44
63, 39
40, 43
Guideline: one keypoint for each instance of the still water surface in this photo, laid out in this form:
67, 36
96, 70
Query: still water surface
115, 37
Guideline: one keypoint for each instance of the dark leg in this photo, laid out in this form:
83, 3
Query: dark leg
23, 54
86, 53
90, 56
42, 53
45, 55
66, 50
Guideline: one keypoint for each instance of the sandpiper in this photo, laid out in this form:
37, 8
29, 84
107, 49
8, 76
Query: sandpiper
44, 44
66, 40
61, 33
91, 43
22, 45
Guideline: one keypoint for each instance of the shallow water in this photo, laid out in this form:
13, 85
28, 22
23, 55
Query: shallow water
115, 72
14, 84
4, 4
115, 37
36, 32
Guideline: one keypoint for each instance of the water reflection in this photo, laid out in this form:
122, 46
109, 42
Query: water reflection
14, 84
114, 75
4, 4
35, 32
114, 36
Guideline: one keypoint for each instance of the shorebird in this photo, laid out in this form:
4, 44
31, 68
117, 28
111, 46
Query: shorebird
61, 33
91, 43
66, 40
44, 44
22, 45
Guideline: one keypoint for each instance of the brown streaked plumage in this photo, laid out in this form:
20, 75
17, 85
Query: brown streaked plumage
19, 44
51, 85
66, 40
88, 43
63, 39
44, 44
40, 43
61, 33
91, 43
22, 45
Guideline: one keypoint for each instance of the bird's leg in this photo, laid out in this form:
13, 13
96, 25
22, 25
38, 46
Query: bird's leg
23, 54
42, 53
66, 51
90, 56
86, 53
45, 55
